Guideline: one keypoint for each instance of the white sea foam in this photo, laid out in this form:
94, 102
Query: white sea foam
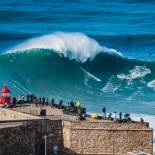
151, 84
137, 72
75, 45
111, 85
89, 75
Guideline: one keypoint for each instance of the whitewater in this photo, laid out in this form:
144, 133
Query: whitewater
72, 45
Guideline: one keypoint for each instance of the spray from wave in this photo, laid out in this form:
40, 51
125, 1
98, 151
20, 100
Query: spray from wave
75, 45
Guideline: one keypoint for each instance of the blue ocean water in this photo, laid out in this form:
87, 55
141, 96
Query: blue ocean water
101, 52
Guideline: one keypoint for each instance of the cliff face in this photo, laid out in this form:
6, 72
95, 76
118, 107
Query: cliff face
106, 138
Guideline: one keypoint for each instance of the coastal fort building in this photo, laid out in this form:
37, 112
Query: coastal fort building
23, 132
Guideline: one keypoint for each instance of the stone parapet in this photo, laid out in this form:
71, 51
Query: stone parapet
7, 114
106, 137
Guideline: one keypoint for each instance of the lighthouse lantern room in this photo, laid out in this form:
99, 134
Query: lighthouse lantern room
5, 96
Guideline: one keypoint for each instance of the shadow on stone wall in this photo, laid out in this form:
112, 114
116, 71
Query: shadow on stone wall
29, 138
67, 151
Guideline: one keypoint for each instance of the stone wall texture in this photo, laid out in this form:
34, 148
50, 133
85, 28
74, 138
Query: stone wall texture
73, 137
106, 138
17, 141
29, 138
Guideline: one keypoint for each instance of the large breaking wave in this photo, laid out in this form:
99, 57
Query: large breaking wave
74, 66
72, 45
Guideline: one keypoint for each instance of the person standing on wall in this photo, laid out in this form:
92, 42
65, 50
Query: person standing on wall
104, 112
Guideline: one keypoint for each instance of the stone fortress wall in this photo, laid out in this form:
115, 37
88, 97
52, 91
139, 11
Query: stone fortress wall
28, 138
26, 135
107, 137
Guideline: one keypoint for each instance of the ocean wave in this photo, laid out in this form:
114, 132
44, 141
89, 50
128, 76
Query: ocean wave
46, 72
75, 45
100, 69
137, 72
111, 86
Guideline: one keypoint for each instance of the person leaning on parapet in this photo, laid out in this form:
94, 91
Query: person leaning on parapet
127, 118
80, 114
31, 98
28, 98
47, 100
39, 101
78, 104
43, 101
109, 116
115, 116
21, 99
14, 101
36, 101
72, 106
52, 103
60, 104
120, 117
141, 120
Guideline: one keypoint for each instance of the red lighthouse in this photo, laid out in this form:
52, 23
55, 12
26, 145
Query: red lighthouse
5, 96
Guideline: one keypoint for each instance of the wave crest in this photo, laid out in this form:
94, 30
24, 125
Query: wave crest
75, 45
